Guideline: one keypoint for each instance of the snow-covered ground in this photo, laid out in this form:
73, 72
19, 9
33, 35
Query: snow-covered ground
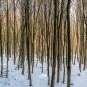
39, 79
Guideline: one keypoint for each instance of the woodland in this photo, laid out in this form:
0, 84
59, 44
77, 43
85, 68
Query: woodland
43, 36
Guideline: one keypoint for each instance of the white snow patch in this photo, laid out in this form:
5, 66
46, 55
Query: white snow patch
39, 79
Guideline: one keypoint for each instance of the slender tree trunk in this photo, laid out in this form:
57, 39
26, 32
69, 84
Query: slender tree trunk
27, 24
1, 42
54, 46
14, 33
69, 46
7, 41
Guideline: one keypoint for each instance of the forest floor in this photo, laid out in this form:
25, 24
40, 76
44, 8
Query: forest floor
39, 79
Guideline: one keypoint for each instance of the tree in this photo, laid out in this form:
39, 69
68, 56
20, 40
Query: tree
54, 46
69, 47
7, 40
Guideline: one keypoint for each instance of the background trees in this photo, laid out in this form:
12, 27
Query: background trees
53, 30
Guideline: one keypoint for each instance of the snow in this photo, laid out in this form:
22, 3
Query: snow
39, 79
